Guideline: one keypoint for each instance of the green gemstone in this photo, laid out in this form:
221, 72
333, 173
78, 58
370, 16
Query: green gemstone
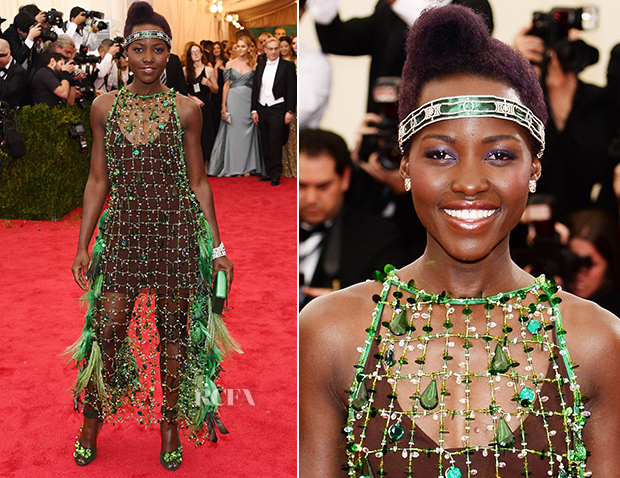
430, 398
360, 397
504, 435
398, 325
389, 358
534, 326
395, 432
579, 453
453, 472
526, 397
500, 363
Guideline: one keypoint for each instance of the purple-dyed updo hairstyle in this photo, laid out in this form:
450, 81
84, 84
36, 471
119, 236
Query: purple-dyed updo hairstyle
450, 40
140, 13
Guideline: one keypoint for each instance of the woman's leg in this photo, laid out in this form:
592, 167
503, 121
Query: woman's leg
111, 329
172, 327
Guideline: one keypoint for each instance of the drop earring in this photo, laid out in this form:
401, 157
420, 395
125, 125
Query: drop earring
532, 186
407, 184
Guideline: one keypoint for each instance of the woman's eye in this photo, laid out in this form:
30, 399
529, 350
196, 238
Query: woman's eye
138, 49
501, 155
439, 155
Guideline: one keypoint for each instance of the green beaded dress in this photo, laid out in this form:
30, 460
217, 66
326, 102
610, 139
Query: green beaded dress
436, 396
149, 298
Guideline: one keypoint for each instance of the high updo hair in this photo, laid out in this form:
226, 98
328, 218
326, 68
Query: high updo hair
140, 13
450, 40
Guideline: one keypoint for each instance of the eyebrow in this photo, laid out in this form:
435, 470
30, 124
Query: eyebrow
499, 137
443, 137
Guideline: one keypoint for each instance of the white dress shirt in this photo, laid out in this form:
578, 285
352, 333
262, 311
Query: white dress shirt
265, 95
314, 80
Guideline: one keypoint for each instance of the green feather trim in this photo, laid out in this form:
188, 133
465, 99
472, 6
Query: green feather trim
219, 333
97, 286
207, 399
94, 366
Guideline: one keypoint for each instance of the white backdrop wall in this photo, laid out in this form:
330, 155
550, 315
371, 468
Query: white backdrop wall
350, 74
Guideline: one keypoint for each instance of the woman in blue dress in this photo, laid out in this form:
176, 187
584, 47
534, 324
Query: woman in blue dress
237, 148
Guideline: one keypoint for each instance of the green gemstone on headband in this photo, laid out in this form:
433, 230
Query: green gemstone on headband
471, 106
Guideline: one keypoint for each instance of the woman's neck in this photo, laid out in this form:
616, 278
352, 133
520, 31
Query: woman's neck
145, 89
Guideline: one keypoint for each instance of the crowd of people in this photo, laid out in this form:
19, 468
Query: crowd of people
46, 60
581, 154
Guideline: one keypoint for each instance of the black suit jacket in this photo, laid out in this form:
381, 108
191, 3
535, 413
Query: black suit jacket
19, 50
174, 75
284, 84
357, 244
14, 88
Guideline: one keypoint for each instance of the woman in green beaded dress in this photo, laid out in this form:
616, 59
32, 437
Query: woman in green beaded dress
461, 364
149, 279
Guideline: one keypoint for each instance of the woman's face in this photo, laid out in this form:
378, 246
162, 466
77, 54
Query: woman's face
294, 44
196, 53
242, 48
147, 57
285, 48
589, 279
469, 176
217, 50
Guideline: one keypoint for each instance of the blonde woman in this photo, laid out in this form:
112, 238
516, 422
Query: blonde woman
236, 150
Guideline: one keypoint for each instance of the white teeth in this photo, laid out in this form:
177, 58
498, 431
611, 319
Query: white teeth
469, 214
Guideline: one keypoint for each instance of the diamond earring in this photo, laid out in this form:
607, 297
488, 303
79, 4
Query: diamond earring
532, 185
407, 184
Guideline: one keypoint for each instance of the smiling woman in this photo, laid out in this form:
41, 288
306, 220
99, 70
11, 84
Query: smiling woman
463, 364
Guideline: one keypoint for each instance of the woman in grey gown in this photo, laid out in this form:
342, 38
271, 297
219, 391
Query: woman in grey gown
237, 149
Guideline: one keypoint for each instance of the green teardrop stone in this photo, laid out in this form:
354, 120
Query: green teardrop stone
389, 358
504, 435
395, 432
500, 363
453, 472
430, 398
398, 325
366, 470
360, 397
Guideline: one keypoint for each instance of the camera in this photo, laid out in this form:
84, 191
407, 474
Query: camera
553, 28
54, 18
76, 131
99, 15
10, 139
83, 58
121, 52
385, 141
48, 34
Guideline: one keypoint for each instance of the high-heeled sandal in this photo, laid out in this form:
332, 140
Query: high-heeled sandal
82, 455
171, 460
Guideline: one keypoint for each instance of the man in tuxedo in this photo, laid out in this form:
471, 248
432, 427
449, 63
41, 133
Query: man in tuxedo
274, 101
13, 78
338, 245
24, 39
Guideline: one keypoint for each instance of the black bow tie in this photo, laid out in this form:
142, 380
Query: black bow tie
305, 234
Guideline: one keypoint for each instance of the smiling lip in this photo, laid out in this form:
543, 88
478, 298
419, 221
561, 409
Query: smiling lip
470, 215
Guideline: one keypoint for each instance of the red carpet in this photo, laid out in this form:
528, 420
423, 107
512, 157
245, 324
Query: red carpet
40, 316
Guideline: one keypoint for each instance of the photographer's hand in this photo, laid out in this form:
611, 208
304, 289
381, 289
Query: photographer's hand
531, 47
34, 32
114, 49
561, 89
80, 19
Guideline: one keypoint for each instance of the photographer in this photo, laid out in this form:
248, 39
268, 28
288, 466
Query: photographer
52, 84
107, 70
13, 78
76, 29
578, 167
24, 39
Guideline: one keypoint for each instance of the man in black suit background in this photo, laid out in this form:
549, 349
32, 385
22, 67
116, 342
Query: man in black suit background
274, 101
339, 245
24, 38
13, 78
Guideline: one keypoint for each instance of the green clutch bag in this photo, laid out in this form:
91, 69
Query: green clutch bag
220, 288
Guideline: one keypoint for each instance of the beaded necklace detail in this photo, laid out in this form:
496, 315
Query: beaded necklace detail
473, 408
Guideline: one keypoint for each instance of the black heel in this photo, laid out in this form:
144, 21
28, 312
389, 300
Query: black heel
171, 460
82, 455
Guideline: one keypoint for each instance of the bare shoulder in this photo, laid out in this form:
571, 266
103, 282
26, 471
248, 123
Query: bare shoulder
102, 106
592, 336
187, 109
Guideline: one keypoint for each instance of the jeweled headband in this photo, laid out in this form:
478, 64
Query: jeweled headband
147, 34
468, 106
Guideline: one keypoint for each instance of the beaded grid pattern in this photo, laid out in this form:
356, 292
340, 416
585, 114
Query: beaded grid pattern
150, 297
468, 106
531, 320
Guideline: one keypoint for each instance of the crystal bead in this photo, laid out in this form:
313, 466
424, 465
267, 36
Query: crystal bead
395, 432
504, 436
389, 358
366, 470
360, 397
526, 397
453, 472
534, 326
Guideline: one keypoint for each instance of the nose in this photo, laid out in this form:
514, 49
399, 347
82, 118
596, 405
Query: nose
469, 177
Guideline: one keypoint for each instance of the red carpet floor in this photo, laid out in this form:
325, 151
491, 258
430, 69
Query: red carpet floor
40, 316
